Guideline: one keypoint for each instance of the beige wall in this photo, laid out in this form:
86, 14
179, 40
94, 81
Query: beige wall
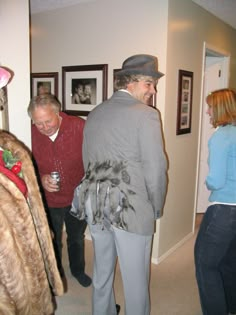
14, 54
108, 31
188, 27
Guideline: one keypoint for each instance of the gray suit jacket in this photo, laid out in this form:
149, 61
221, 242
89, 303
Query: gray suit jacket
125, 165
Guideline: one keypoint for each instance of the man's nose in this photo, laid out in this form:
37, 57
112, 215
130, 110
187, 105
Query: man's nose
154, 89
44, 126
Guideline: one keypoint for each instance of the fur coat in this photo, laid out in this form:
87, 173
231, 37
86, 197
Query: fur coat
29, 277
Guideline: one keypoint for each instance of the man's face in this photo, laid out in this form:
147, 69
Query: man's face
143, 90
46, 120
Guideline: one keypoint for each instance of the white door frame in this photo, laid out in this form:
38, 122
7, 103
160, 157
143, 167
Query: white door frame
209, 51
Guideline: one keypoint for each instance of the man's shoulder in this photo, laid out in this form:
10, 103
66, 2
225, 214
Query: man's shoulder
34, 131
76, 120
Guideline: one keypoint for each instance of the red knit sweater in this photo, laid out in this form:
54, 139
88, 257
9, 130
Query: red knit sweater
63, 155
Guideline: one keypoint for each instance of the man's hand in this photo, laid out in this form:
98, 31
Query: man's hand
49, 183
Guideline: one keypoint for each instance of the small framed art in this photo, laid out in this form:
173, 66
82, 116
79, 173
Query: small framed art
184, 109
44, 82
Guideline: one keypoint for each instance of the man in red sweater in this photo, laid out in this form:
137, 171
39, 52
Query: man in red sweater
57, 146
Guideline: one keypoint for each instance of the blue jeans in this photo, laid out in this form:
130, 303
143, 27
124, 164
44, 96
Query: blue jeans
215, 260
75, 238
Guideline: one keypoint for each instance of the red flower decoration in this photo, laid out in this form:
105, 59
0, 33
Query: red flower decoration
13, 172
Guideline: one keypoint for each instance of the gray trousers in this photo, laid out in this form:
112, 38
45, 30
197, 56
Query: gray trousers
134, 252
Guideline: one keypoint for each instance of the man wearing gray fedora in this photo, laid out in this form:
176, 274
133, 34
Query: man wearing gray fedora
124, 187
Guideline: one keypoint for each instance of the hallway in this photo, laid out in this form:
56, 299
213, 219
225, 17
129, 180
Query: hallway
173, 287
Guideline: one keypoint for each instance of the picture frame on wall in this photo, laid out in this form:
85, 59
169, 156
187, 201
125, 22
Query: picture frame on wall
184, 106
83, 88
44, 82
152, 101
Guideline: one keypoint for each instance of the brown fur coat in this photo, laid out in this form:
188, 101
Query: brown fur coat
28, 272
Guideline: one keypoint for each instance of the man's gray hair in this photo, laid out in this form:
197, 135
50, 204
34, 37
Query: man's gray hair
43, 101
121, 81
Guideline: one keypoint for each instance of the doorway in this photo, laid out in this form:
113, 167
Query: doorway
215, 76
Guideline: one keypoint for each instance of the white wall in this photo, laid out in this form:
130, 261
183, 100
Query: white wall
14, 54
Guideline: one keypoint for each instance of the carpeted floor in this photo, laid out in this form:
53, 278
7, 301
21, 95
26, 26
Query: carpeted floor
173, 287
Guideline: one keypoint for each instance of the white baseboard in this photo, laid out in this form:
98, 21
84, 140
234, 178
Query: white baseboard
156, 261
88, 235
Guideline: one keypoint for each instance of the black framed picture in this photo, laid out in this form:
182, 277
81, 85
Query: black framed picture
184, 108
44, 82
83, 87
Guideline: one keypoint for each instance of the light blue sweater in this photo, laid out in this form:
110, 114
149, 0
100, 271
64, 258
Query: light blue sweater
221, 179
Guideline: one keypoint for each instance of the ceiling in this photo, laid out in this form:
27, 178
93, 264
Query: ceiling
37, 6
225, 10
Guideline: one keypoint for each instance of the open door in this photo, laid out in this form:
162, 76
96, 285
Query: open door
216, 74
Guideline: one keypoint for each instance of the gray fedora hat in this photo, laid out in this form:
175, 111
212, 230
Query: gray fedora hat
140, 64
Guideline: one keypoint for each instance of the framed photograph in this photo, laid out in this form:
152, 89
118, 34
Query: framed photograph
184, 111
152, 101
44, 83
83, 87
